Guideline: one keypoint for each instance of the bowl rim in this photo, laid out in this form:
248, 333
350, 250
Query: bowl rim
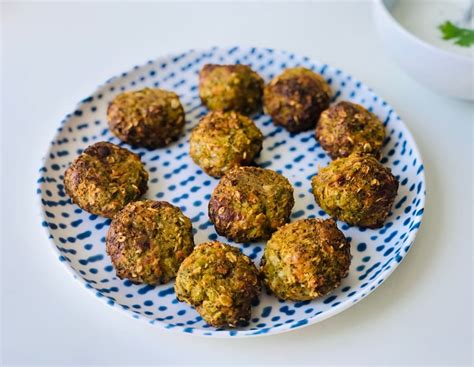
229, 333
446, 53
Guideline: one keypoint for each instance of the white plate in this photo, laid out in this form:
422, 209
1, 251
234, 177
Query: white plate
78, 237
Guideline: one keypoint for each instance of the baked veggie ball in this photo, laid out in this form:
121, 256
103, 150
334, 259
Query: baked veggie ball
224, 140
104, 178
356, 189
230, 88
149, 118
250, 203
220, 282
296, 98
305, 259
347, 127
148, 240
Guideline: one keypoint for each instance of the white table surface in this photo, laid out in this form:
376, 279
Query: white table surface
55, 54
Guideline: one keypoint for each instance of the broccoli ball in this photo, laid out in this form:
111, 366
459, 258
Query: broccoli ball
296, 98
149, 118
220, 282
250, 203
346, 128
230, 88
356, 189
148, 240
224, 140
305, 259
104, 178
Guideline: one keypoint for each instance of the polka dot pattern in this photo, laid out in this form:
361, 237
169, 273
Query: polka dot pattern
79, 237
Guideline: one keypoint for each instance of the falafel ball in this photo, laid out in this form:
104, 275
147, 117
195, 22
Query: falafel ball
224, 140
148, 240
230, 88
220, 282
305, 259
356, 189
347, 127
104, 178
296, 98
148, 118
250, 203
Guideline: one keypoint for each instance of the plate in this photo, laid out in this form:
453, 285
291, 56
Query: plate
79, 237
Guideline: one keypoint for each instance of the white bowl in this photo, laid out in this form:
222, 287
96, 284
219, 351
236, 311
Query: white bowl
443, 71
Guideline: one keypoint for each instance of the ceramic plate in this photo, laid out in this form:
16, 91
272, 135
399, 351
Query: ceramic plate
79, 237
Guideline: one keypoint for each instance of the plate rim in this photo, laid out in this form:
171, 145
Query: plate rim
238, 333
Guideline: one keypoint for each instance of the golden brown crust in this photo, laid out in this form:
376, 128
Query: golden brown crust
148, 240
296, 98
230, 88
224, 140
305, 259
250, 203
104, 178
356, 189
346, 128
220, 282
149, 118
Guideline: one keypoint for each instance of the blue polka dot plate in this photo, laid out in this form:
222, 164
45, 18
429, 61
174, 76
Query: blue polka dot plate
79, 237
